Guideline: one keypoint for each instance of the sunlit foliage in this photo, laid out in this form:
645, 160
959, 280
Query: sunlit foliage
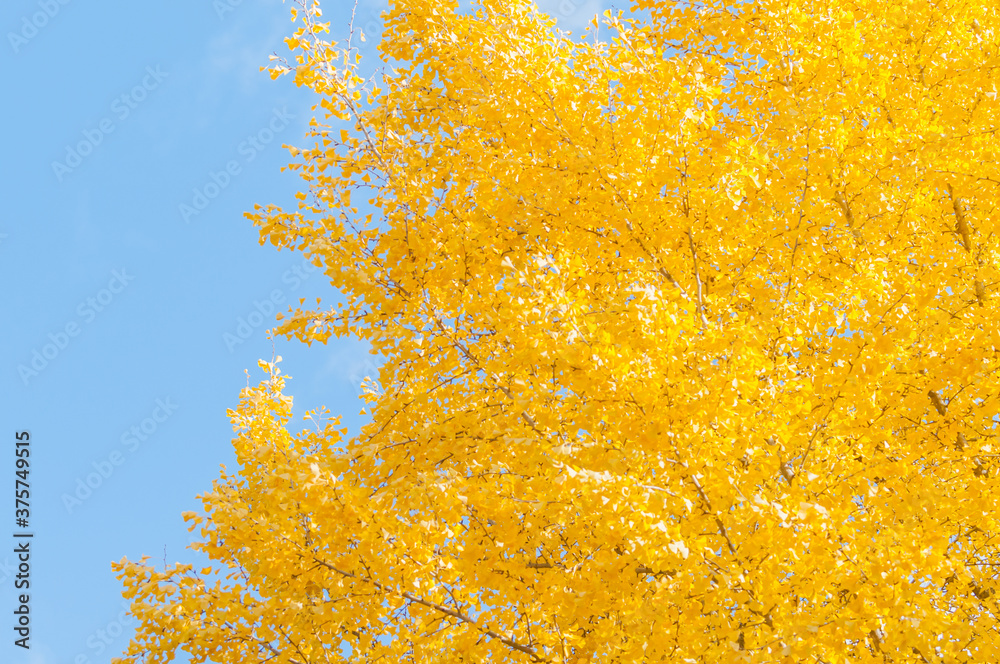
690, 341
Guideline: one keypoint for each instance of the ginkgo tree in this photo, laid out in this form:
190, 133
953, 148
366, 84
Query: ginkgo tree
689, 334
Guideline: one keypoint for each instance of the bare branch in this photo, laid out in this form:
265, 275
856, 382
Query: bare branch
941, 406
718, 521
961, 225
697, 280
458, 615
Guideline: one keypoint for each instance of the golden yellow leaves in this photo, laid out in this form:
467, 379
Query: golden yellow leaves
690, 354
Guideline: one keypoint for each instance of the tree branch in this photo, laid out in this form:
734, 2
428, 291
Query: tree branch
458, 615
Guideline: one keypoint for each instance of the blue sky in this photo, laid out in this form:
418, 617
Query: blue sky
117, 301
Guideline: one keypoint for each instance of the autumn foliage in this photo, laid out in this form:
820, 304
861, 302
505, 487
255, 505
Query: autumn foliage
690, 341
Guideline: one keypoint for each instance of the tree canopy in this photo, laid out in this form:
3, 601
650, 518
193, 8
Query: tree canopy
689, 339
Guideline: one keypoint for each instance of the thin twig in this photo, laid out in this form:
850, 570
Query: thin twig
718, 521
458, 615
697, 280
